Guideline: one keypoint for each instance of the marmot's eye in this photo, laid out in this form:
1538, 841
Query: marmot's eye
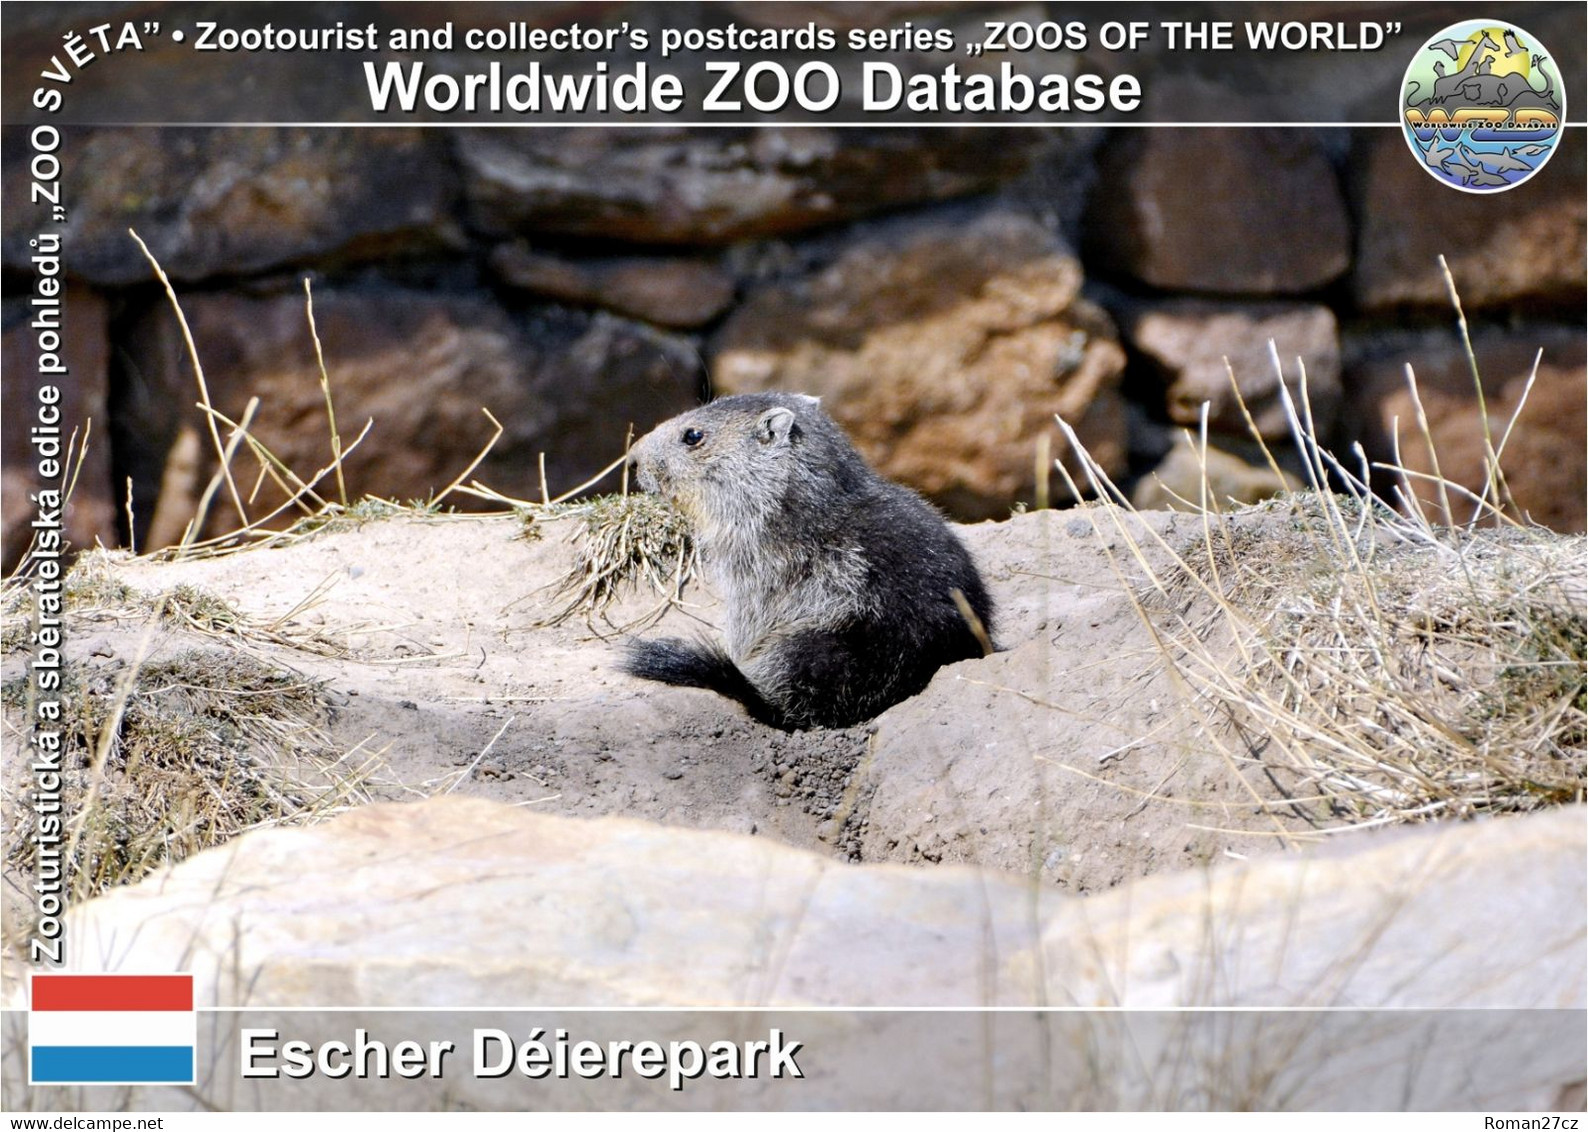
693, 436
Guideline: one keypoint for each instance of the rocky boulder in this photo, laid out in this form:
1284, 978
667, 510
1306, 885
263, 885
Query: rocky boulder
229, 203
1543, 461
1218, 211
478, 907
945, 347
618, 912
711, 187
1192, 347
1523, 247
668, 291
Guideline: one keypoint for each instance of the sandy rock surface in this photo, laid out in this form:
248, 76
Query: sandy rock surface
1039, 759
466, 903
496, 915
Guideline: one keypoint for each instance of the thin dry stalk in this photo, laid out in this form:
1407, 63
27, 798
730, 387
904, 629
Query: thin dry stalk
190, 532
278, 470
1495, 486
198, 373
474, 463
258, 532
325, 388
480, 491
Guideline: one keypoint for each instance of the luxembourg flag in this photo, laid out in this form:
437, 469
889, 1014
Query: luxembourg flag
111, 1030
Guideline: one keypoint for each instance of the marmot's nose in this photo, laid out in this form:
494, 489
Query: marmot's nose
642, 472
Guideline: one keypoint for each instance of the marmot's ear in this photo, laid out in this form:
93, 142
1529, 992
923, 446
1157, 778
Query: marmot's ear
775, 425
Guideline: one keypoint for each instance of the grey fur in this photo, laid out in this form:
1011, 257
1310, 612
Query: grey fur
838, 585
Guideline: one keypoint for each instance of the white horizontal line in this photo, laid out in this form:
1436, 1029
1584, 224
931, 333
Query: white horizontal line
894, 125
465, 124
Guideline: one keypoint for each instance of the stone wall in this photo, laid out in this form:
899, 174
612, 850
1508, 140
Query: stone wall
946, 290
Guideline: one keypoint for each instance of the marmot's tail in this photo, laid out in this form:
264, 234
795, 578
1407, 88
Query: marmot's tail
688, 664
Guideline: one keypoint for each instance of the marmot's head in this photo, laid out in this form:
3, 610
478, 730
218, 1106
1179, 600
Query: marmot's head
729, 464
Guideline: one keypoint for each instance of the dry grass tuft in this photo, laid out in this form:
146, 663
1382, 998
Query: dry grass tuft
1423, 679
619, 541
198, 748
1373, 665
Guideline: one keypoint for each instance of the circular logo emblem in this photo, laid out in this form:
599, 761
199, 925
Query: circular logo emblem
1482, 106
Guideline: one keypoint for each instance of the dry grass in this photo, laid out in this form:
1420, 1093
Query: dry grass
1375, 666
620, 542
301, 494
95, 592
165, 758
1425, 679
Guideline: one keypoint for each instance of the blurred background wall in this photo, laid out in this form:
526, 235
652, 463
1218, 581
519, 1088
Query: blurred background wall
946, 290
